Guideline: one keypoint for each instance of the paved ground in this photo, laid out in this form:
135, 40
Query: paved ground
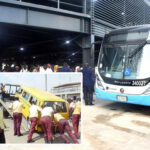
116, 126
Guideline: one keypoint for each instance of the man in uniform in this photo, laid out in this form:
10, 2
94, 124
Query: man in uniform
47, 117
76, 117
17, 107
2, 126
63, 126
87, 84
34, 109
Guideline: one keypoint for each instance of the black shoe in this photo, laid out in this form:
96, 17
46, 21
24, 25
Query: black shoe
30, 141
20, 134
15, 134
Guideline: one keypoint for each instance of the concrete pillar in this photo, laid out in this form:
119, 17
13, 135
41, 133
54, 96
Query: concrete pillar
84, 6
58, 3
88, 50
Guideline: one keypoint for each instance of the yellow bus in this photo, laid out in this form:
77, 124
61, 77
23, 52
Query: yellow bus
28, 94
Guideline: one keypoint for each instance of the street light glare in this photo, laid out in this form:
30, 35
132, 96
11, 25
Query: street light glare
21, 48
67, 42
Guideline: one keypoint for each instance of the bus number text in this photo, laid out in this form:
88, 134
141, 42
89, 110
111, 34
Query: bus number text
138, 83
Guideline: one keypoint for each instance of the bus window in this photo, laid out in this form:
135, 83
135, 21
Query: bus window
26, 95
57, 106
19, 91
33, 99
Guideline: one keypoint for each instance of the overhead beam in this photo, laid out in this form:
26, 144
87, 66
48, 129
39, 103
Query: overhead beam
42, 16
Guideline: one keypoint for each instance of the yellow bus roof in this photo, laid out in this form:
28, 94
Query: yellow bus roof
41, 94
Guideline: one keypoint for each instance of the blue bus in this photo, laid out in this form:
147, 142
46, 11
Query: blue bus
123, 69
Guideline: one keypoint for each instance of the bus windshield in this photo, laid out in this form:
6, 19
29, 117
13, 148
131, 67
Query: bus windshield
125, 61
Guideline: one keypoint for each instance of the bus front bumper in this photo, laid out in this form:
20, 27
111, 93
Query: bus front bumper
133, 99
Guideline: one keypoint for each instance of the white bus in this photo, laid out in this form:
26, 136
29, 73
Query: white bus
123, 70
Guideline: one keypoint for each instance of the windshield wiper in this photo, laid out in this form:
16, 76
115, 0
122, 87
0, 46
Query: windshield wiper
137, 49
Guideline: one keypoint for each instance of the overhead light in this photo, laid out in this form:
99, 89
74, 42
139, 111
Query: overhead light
123, 13
34, 57
22, 48
67, 42
73, 54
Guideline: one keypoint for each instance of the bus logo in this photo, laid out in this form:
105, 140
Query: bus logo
122, 90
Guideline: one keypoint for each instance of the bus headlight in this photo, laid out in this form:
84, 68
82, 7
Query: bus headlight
98, 82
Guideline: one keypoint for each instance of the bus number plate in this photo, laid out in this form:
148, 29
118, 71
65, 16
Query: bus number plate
122, 98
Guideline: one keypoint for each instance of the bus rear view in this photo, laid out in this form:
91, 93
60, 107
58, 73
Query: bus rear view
123, 71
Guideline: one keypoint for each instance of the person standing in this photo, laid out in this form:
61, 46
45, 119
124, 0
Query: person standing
56, 67
2, 127
76, 118
17, 107
87, 84
65, 68
2, 91
24, 68
63, 126
47, 117
34, 110
49, 68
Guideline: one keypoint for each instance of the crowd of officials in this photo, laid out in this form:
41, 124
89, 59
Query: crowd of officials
49, 119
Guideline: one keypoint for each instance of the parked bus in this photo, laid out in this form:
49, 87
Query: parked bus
28, 94
123, 73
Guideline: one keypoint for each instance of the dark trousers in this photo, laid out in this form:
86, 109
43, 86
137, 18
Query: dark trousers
64, 126
75, 122
70, 113
46, 124
17, 122
2, 137
2, 96
32, 127
88, 94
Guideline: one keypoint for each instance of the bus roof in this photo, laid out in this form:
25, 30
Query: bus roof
131, 29
41, 94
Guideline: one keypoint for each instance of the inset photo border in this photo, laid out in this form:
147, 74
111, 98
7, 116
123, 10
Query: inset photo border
39, 108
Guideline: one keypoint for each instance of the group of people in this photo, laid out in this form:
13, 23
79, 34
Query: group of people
49, 119
46, 68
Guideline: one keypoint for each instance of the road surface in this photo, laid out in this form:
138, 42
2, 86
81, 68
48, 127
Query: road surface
116, 126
